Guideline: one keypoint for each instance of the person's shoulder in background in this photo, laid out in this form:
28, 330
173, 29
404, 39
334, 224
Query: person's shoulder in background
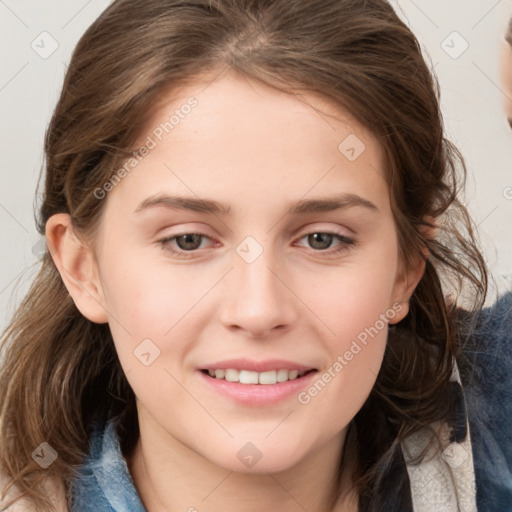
11, 504
486, 373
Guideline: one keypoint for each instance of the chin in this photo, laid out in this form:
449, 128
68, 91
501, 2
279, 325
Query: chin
254, 458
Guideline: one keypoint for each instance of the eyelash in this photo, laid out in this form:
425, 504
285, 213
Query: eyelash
345, 244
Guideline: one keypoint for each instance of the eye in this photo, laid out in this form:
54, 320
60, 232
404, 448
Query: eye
186, 242
321, 241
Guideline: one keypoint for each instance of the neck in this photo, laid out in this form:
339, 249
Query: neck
171, 477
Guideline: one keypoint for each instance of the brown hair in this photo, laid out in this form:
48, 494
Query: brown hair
61, 371
508, 35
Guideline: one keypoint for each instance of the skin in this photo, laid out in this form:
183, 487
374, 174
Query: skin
255, 149
506, 79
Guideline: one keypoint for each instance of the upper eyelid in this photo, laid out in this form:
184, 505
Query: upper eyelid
305, 230
300, 233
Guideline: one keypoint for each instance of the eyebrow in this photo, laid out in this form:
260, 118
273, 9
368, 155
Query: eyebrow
302, 206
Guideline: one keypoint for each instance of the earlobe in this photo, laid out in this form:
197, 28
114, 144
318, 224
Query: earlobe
77, 267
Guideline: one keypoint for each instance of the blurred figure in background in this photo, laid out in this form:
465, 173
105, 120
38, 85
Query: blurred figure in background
506, 72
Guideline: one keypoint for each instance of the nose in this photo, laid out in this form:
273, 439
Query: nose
258, 301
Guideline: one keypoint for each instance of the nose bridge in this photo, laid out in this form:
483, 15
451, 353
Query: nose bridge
260, 300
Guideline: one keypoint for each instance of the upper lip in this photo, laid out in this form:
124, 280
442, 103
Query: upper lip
257, 366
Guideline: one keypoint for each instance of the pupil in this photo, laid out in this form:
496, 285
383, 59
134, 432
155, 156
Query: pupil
190, 239
315, 237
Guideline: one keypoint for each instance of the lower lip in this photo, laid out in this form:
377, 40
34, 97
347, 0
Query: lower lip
258, 394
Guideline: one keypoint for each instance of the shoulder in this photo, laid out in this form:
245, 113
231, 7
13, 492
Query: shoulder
12, 502
495, 322
486, 364
488, 353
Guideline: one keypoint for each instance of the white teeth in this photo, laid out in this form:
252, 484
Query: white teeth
232, 375
293, 374
268, 377
282, 375
250, 377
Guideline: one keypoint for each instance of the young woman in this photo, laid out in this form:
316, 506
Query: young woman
255, 250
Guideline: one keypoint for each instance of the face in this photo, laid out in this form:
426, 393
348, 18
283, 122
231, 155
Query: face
506, 79
254, 241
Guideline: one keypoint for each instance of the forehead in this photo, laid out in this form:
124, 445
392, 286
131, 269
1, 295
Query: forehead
229, 94
244, 135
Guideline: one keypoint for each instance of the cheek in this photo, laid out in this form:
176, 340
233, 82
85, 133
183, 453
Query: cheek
345, 382
151, 299
358, 326
156, 310
154, 320
355, 306
353, 297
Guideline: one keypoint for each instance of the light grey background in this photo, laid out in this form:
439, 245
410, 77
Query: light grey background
31, 77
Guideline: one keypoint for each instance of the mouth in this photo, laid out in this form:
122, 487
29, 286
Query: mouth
257, 383
253, 377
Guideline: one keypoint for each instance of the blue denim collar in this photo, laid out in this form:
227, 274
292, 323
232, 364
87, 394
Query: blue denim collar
105, 483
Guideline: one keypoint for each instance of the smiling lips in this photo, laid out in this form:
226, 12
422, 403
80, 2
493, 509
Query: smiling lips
257, 384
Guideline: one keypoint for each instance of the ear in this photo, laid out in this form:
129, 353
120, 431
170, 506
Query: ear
76, 264
405, 284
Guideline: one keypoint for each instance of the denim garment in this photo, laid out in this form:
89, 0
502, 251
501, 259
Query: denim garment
486, 375
105, 484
